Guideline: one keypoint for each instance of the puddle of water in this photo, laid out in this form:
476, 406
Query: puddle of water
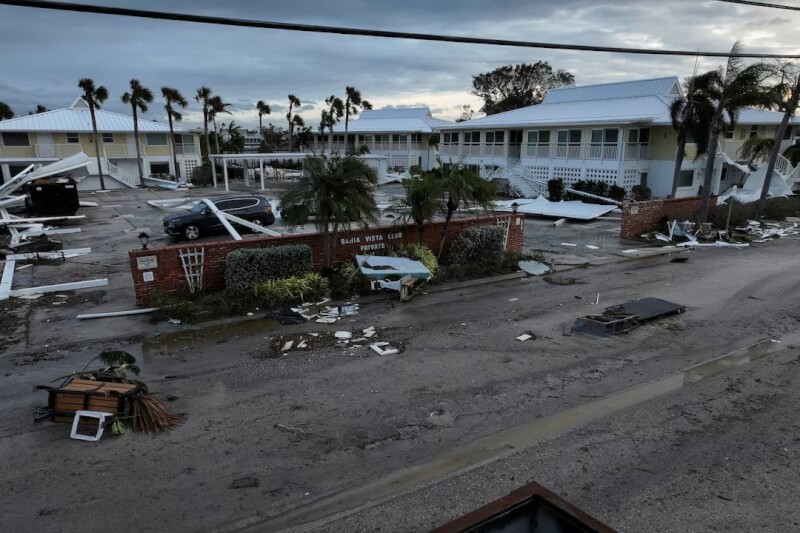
168, 344
506, 442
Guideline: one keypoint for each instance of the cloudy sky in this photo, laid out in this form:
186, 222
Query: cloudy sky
46, 52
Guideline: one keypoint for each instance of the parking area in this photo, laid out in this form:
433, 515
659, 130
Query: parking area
113, 227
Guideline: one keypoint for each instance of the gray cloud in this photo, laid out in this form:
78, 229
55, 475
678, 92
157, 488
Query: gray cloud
246, 65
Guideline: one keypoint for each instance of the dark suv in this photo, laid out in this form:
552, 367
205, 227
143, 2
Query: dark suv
199, 220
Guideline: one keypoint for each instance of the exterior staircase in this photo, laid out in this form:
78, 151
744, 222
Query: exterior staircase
110, 170
520, 181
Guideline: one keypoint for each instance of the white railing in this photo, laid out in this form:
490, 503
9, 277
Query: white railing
118, 150
783, 165
637, 151
17, 151
187, 149
59, 151
494, 150
122, 175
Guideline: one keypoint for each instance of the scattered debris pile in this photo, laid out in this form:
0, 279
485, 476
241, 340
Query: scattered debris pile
771, 230
106, 393
281, 344
626, 317
688, 234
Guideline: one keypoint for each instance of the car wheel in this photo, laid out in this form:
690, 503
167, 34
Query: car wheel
191, 232
258, 222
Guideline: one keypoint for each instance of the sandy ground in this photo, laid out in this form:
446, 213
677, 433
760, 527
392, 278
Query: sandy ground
718, 453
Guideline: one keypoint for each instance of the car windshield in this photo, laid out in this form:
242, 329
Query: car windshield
199, 207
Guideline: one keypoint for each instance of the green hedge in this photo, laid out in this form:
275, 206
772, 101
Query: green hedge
246, 267
478, 244
292, 290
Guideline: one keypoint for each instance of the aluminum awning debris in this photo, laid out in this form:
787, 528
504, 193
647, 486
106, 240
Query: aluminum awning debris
533, 268
379, 267
573, 210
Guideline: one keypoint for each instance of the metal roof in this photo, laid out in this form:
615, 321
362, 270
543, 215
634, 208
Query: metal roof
412, 120
645, 101
669, 87
77, 119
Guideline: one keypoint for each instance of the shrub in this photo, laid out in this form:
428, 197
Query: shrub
615, 192
640, 193
597, 188
244, 268
555, 190
278, 292
417, 252
477, 244
504, 263
347, 282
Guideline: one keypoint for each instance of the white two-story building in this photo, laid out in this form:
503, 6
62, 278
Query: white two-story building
47, 137
617, 133
402, 135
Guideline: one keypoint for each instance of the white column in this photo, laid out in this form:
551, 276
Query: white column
225, 173
213, 171
261, 167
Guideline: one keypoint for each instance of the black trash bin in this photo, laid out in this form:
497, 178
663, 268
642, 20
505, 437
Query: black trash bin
52, 196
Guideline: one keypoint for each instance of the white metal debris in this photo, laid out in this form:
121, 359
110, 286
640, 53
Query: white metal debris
383, 348
524, 337
60, 254
88, 284
117, 313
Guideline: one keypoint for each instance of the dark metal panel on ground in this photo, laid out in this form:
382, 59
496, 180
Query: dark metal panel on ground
529, 508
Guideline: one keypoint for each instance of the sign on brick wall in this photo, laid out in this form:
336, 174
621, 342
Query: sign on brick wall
166, 274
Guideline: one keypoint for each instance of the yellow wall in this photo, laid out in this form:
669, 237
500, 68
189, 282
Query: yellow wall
664, 141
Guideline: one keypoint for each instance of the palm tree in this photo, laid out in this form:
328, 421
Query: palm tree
339, 191
730, 89
217, 107
293, 102
335, 112
263, 109
691, 117
203, 96
139, 96
94, 96
756, 148
353, 104
235, 140
784, 96
39, 109
173, 97
303, 137
5, 111
423, 201
462, 186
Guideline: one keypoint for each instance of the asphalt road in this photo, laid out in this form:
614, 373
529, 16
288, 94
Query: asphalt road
715, 454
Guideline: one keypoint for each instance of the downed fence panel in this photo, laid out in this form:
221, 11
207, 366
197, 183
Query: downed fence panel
88, 284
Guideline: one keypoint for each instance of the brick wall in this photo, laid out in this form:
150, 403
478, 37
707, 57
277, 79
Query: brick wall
645, 217
159, 270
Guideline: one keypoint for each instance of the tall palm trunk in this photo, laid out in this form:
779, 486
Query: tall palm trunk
138, 147
346, 129
773, 160
682, 135
216, 136
289, 116
330, 129
326, 249
97, 146
174, 148
333, 243
708, 177
205, 128
450, 211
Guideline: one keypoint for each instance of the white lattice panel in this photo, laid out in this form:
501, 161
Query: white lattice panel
539, 173
567, 174
607, 176
188, 169
630, 178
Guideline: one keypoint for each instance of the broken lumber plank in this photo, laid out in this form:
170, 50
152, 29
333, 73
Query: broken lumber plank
16, 220
75, 285
60, 254
7, 279
118, 313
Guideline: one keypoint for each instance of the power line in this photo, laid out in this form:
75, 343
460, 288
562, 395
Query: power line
249, 23
761, 4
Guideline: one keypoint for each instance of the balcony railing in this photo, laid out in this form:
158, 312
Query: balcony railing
186, 149
119, 150
634, 152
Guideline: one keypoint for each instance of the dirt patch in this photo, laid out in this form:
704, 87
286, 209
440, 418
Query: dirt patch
36, 358
559, 280
288, 343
